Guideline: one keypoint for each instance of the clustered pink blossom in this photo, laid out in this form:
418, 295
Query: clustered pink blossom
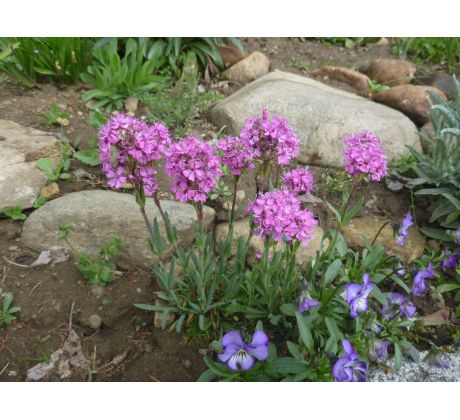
128, 149
299, 180
235, 155
194, 169
364, 155
278, 214
270, 139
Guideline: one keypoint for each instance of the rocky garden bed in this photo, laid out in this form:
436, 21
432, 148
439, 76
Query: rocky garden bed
61, 207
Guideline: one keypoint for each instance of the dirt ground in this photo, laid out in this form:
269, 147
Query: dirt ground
46, 294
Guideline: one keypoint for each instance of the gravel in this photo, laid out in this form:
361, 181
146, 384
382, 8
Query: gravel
421, 371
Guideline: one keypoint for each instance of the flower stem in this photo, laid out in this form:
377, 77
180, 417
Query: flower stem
378, 233
235, 191
158, 204
147, 223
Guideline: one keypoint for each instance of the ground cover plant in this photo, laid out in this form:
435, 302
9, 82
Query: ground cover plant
330, 316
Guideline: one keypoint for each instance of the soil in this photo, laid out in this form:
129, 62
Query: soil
46, 294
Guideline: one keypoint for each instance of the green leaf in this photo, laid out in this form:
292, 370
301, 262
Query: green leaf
305, 333
443, 288
332, 272
398, 357
88, 157
45, 164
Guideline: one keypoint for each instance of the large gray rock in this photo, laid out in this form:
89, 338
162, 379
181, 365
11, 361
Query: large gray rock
320, 115
20, 148
97, 214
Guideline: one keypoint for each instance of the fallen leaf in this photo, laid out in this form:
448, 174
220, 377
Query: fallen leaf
442, 316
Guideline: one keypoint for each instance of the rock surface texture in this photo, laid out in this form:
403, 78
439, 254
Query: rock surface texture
392, 72
97, 214
21, 147
248, 69
409, 99
320, 115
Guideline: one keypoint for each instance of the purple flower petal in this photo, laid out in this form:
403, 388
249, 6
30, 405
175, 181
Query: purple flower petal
242, 360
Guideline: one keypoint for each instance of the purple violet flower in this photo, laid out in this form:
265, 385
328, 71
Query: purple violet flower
306, 303
270, 139
299, 180
419, 286
379, 352
239, 355
278, 214
402, 234
398, 305
347, 368
364, 155
451, 261
356, 295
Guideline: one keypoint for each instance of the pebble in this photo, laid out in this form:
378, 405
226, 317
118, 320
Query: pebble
94, 321
187, 363
13, 248
98, 291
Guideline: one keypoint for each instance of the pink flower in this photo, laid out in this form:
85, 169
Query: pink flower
128, 149
270, 139
193, 168
299, 180
364, 155
235, 155
278, 214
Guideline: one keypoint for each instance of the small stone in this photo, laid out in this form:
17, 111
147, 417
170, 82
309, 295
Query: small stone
13, 248
94, 321
368, 226
50, 191
354, 78
98, 291
230, 55
410, 100
392, 72
250, 68
63, 121
187, 363
12, 373
131, 104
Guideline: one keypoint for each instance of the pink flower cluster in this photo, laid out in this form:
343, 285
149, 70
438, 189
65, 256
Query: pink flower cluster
364, 155
299, 180
235, 155
270, 139
194, 169
278, 214
128, 149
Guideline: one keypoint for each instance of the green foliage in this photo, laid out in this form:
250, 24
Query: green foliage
58, 171
39, 201
445, 51
437, 168
301, 65
15, 213
335, 181
6, 312
404, 164
54, 116
97, 271
60, 59
91, 156
375, 87
181, 105
171, 51
116, 78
